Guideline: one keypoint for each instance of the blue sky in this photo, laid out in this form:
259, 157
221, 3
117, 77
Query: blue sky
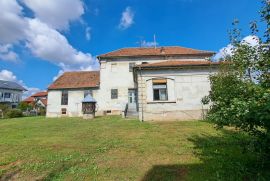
40, 41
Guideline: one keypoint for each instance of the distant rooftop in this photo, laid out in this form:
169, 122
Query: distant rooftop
40, 94
11, 85
158, 51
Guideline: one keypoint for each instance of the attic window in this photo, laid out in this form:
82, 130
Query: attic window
64, 98
131, 65
113, 67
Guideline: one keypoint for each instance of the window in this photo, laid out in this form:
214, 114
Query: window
113, 67
88, 92
114, 93
7, 95
64, 99
64, 111
131, 65
160, 90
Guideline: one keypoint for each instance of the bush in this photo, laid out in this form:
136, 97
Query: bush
4, 108
42, 112
14, 113
25, 106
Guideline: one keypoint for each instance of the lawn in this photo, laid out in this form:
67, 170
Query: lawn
112, 148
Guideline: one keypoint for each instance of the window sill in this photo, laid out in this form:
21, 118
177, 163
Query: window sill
158, 102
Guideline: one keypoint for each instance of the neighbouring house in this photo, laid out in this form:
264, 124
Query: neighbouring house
37, 100
10, 93
163, 83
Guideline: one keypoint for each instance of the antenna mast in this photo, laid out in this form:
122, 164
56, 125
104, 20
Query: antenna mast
155, 43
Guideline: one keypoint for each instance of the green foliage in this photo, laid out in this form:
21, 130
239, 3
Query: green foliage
240, 92
24, 106
42, 111
4, 108
14, 113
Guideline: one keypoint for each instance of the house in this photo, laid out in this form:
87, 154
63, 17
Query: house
163, 83
65, 95
38, 99
10, 93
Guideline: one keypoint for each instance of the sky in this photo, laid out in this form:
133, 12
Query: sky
39, 40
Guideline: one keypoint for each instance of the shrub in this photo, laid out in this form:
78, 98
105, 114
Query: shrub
14, 113
25, 106
4, 108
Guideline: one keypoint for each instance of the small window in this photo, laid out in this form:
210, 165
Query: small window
114, 67
114, 93
88, 92
131, 65
64, 99
160, 90
64, 111
7, 95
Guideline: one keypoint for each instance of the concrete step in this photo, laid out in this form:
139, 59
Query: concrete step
132, 114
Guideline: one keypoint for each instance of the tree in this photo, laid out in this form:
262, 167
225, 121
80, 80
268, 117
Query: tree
240, 91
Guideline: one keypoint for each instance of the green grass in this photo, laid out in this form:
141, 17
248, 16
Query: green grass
111, 148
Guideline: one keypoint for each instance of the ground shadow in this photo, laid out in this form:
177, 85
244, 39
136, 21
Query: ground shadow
223, 157
166, 173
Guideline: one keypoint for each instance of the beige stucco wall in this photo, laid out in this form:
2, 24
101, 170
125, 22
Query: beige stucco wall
74, 107
185, 89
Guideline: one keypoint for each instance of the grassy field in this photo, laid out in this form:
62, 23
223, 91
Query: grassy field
111, 148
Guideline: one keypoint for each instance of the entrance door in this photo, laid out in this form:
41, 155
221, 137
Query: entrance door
132, 99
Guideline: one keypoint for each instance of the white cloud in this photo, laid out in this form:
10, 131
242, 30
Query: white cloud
127, 18
7, 54
12, 23
251, 40
56, 13
9, 76
228, 50
39, 34
48, 44
88, 33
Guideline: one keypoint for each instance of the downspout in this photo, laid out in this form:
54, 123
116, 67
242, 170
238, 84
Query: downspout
140, 69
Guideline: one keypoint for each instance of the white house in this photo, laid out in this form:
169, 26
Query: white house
10, 93
164, 83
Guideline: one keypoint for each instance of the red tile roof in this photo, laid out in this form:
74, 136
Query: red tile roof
40, 94
74, 80
177, 63
29, 100
44, 101
159, 51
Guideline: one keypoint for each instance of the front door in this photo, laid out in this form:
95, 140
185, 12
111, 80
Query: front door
132, 99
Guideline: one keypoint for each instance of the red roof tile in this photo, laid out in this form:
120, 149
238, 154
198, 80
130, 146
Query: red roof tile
177, 63
159, 51
40, 94
29, 100
74, 80
44, 101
